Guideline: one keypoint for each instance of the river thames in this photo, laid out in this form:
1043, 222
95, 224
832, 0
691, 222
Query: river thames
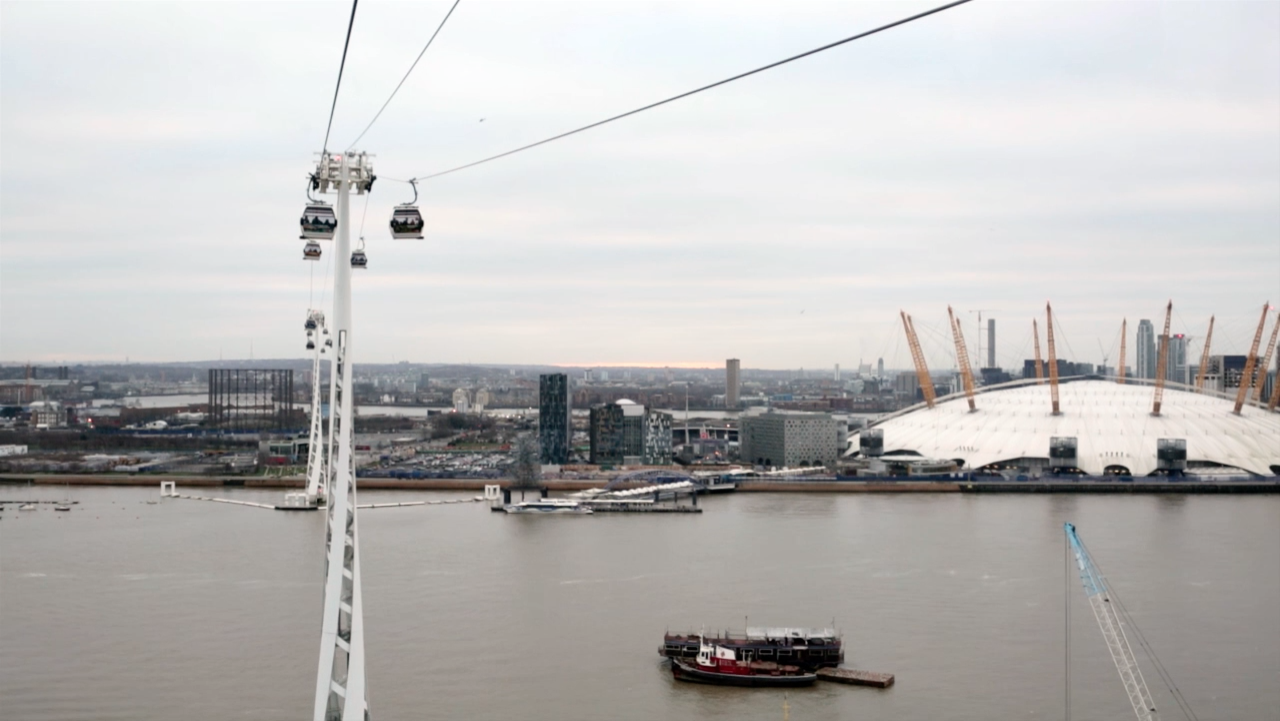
122, 609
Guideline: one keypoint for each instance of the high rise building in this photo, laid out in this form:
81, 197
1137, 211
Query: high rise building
1146, 346
880, 368
991, 342
1175, 369
555, 431
628, 433
837, 376
732, 383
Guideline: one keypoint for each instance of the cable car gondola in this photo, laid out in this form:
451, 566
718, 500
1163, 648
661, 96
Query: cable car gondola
359, 260
311, 251
310, 324
310, 345
406, 221
318, 221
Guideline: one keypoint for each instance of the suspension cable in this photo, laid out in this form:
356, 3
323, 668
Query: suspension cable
406, 75
1128, 620
674, 98
350, 23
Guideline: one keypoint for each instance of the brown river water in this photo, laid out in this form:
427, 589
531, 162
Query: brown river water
121, 609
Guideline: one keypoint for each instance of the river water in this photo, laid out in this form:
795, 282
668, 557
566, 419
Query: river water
125, 610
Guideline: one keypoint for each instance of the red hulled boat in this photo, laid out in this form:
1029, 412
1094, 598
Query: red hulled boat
722, 666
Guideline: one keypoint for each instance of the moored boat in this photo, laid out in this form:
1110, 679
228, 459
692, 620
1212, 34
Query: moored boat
723, 666
547, 505
808, 648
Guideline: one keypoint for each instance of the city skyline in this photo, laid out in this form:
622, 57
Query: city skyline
783, 220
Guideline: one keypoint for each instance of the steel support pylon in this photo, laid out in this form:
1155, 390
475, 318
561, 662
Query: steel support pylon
340, 678
317, 448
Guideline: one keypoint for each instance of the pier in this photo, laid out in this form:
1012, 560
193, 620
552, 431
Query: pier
855, 677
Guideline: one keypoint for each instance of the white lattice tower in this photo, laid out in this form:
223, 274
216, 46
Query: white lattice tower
340, 678
317, 454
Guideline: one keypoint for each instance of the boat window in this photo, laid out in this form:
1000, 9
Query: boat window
784, 652
766, 653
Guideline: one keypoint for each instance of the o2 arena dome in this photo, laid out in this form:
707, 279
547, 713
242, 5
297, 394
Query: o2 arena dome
1105, 428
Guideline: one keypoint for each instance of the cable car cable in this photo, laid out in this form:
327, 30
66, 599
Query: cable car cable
406, 75
674, 98
351, 23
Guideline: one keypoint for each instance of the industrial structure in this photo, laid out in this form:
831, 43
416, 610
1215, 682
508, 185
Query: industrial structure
243, 400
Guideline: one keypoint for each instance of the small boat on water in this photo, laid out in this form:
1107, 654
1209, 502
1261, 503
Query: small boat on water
27, 507
721, 666
808, 648
546, 506
61, 507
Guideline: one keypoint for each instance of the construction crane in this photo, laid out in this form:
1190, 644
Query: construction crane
1162, 361
962, 358
1204, 357
1035, 336
1260, 378
1246, 380
1053, 360
1120, 368
1144, 707
922, 371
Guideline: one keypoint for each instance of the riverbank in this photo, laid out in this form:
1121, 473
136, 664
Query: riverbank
1055, 485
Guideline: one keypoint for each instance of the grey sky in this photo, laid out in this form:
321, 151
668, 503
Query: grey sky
1105, 156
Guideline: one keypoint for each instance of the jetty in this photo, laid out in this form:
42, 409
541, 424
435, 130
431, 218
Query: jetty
855, 677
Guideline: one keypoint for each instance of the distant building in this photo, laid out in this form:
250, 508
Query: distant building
47, 414
792, 440
482, 400
1224, 372
732, 383
461, 401
1175, 370
880, 368
991, 342
627, 433
1146, 365
555, 430
907, 384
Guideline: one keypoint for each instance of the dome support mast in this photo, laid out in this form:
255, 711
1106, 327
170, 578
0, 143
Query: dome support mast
917, 356
1053, 360
1246, 380
962, 358
1260, 378
1162, 361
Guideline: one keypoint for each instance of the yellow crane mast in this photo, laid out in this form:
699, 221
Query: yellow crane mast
962, 358
1260, 378
1124, 329
1035, 335
917, 356
1246, 380
1162, 360
1053, 359
1204, 357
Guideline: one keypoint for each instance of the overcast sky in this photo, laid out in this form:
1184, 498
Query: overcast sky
1107, 156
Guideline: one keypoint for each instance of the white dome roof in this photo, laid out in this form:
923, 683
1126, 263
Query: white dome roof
1112, 423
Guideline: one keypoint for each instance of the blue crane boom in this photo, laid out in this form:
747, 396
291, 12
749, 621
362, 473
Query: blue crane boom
1095, 588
